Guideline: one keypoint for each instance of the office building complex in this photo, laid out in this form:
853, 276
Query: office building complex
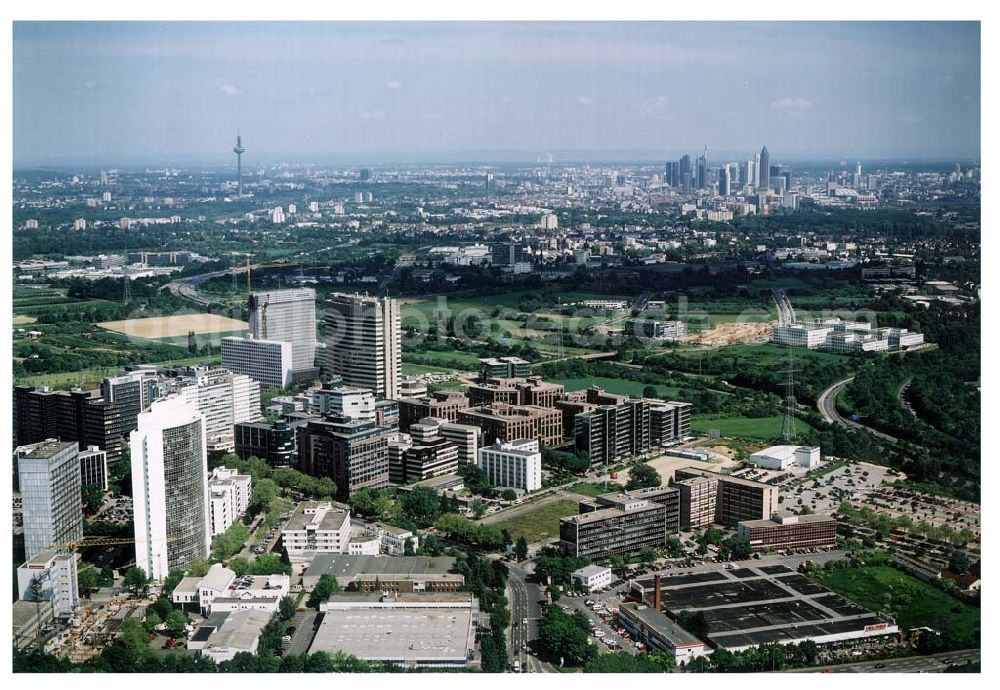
503, 368
223, 398
269, 362
465, 437
287, 316
784, 457
274, 442
737, 499
788, 531
517, 464
170, 487
424, 453
530, 391
316, 528
229, 494
508, 422
440, 404
353, 453
621, 523
657, 330
48, 476
363, 342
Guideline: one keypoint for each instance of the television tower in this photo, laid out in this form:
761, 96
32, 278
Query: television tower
239, 151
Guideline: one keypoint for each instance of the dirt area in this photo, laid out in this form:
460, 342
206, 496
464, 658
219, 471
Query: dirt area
731, 334
22, 320
174, 326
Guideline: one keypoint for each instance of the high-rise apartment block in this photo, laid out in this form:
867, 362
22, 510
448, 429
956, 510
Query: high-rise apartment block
363, 342
170, 487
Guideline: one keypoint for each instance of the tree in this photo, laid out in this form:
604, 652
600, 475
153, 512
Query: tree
136, 581
87, 580
649, 392
958, 563
622, 662
735, 549
370, 503
564, 639
92, 497
230, 542
641, 476
408, 547
478, 508
286, 608
152, 620
618, 566
509, 495
192, 343
521, 548
421, 505
326, 587
176, 623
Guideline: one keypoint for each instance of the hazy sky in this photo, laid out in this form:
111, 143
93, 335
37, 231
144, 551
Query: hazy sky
135, 92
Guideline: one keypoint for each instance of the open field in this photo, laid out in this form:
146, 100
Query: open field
594, 489
911, 602
417, 369
21, 320
443, 359
91, 377
179, 325
616, 386
761, 429
540, 524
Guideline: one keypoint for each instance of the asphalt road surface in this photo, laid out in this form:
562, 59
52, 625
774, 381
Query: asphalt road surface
936, 663
827, 406
525, 603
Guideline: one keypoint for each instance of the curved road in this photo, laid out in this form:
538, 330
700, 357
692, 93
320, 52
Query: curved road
827, 406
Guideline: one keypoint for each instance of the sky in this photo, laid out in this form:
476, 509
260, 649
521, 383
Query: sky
140, 92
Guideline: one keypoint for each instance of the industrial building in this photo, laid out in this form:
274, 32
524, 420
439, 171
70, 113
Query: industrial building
377, 573
657, 631
788, 531
784, 457
406, 630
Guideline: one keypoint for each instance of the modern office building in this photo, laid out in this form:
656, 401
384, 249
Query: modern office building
514, 391
315, 528
591, 578
392, 539
131, 392
698, 496
503, 368
613, 432
334, 398
656, 330
764, 168
352, 452
422, 454
621, 524
50, 576
516, 464
737, 499
170, 487
229, 494
94, 468
271, 441
269, 362
465, 437
669, 422
501, 422
440, 404
223, 398
363, 342
287, 316
788, 531
48, 476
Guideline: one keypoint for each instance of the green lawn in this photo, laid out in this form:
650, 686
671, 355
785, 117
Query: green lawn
616, 386
911, 602
416, 369
539, 524
594, 489
68, 379
435, 357
760, 429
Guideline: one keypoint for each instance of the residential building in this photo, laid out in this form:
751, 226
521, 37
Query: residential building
48, 477
516, 464
269, 362
788, 531
591, 578
363, 342
170, 487
229, 495
316, 528
352, 452
507, 422
50, 576
737, 499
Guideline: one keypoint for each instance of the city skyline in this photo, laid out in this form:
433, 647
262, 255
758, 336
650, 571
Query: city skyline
398, 92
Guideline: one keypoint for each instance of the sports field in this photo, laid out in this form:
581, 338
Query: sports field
160, 327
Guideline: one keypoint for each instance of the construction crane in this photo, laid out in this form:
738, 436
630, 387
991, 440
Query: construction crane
87, 542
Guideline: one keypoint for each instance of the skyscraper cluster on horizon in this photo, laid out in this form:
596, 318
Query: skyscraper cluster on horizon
751, 176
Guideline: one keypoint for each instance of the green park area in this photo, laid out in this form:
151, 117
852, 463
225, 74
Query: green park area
912, 603
755, 428
616, 386
539, 524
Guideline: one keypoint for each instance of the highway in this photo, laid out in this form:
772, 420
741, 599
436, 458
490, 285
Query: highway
827, 406
786, 315
935, 663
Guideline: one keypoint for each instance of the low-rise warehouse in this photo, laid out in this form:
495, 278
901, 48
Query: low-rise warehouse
391, 573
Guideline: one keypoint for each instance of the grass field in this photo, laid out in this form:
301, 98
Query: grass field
433, 357
89, 377
594, 489
616, 386
760, 429
416, 369
540, 524
178, 325
911, 602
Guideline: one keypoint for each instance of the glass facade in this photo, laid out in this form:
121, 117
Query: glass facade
184, 485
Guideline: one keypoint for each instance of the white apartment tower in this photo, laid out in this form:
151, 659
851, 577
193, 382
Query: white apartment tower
229, 494
287, 316
170, 487
363, 342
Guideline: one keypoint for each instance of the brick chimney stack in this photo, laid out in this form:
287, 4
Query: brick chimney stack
656, 592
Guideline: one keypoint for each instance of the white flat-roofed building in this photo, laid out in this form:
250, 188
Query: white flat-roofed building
393, 539
364, 546
343, 401
269, 362
287, 316
252, 592
783, 457
800, 335
465, 437
239, 633
901, 338
517, 464
591, 578
50, 576
230, 494
316, 528
94, 467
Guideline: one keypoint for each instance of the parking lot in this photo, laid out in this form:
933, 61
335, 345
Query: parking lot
824, 493
600, 613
